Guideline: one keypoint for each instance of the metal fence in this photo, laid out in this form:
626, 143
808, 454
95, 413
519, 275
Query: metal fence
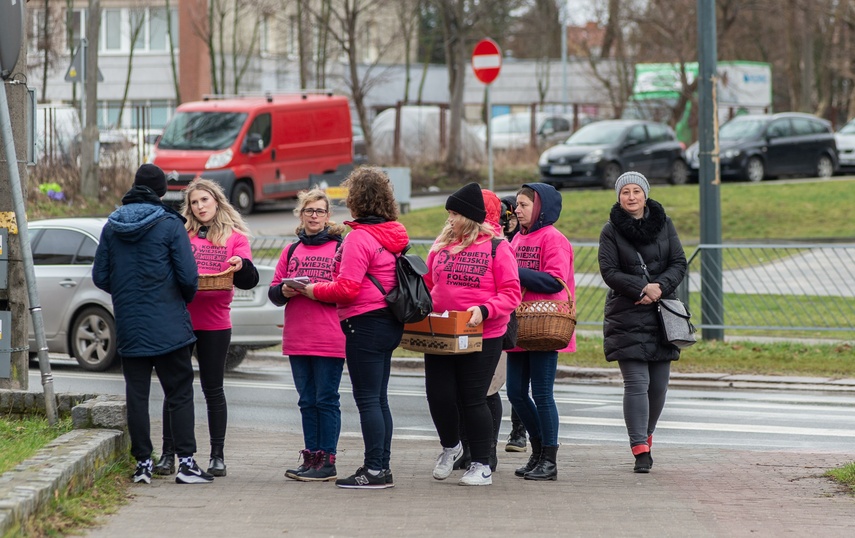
803, 290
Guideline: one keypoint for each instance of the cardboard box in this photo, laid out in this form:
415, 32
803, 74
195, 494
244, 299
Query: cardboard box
443, 335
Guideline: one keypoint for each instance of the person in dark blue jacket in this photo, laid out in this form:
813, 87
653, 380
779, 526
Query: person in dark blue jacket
145, 263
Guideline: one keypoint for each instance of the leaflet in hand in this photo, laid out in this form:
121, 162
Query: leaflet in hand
297, 283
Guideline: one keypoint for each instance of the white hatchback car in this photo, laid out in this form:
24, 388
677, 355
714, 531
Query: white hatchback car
78, 317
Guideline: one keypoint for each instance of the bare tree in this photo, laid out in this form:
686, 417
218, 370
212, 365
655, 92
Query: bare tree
407, 12
47, 24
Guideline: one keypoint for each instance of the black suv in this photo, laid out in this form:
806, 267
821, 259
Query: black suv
762, 146
600, 152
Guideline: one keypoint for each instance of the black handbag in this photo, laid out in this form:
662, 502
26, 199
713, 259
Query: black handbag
674, 318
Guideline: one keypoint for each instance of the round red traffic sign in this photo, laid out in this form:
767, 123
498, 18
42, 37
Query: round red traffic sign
486, 60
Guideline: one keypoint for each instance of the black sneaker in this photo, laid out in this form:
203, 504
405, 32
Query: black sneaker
362, 479
143, 472
192, 474
389, 482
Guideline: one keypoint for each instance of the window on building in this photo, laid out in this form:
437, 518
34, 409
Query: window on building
137, 26
158, 38
111, 30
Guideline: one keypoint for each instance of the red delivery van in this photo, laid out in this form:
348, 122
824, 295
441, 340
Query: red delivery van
257, 147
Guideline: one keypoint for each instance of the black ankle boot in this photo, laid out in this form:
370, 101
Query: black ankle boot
546, 469
643, 463
166, 464
536, 450
217, 465
322, 470
516, 439
309, 458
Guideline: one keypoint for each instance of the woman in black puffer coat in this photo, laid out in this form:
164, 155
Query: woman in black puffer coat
639, 225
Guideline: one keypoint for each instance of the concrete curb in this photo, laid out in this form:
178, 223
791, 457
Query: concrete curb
70, 463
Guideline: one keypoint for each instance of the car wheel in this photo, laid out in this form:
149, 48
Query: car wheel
824, 167
611, 172
755, 171
242, 198
235, 356
679, 173
93, 339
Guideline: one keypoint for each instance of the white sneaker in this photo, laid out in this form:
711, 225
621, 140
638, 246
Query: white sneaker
446, 460
478, 474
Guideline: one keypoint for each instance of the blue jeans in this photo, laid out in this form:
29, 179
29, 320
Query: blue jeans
540, 416
370, 340
317, 380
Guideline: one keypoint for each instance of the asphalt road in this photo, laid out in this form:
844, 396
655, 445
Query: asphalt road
261, 395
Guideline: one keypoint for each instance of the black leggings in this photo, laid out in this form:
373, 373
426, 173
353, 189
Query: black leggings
211, 349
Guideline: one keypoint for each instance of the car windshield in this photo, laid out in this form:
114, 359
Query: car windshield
202, 130
849, 128
596, 134
739, 129
511, 123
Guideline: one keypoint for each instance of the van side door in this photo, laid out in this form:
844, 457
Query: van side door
261, 156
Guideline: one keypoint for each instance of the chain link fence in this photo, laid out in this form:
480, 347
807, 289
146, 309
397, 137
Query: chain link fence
792, 290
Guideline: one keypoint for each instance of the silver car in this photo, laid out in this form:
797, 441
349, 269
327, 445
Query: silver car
78, 317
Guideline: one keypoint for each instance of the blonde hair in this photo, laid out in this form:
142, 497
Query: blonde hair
305, 198
468, 235
226, 219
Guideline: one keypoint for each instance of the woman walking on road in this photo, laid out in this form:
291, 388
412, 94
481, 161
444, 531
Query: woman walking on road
219, 238
371, 330
639, 233
545, 259
316, 363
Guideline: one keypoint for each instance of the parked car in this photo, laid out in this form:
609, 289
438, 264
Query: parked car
845, 140
78, 317
513, 131
763, 146
600, 152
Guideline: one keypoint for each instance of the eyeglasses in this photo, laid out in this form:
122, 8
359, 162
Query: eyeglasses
308, 211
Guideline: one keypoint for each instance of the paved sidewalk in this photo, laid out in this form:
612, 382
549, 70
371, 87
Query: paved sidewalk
690, 492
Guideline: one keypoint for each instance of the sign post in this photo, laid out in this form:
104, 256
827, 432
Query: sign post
486, 64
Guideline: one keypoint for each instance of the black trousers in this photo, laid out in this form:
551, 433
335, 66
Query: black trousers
175, 372
450, 379
211, 349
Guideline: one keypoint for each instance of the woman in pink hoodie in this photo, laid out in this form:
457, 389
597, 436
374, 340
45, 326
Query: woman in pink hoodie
544, 256
371, 331
465, 275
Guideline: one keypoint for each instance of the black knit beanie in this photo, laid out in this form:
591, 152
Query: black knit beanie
469, 202
152, 177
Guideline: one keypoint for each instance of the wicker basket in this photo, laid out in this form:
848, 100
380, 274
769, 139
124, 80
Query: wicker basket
217, 281
546, 325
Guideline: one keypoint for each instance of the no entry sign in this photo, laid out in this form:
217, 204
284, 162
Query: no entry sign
486, 60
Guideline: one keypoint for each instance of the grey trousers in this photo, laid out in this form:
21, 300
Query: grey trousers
644, 387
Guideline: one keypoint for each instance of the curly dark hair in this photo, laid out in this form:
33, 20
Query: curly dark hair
369, 193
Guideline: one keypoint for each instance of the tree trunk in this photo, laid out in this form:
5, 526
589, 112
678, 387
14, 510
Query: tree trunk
89, 182
172, 61
46, 36
135, 32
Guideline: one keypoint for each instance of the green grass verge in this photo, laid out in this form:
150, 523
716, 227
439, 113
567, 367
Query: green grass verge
768, 210
779, 358
71, 510
21, 439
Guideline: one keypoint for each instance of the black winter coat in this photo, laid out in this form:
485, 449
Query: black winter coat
631, 331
